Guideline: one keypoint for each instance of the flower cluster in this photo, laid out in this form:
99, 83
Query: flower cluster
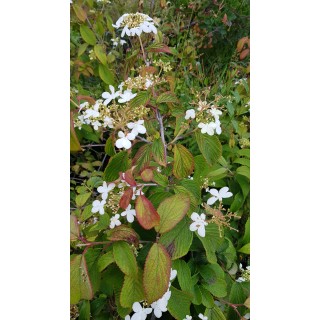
245, 276
116, 41
134, 24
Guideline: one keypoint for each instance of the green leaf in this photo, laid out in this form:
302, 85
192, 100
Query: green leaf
244, 153
171, 211
183, 162
237, 296
209, 146
244, 184
80, 13
118, 163
246, 236
167, 97
125, 259
87, 35
243, 161
160, 179
105, 260
106, 75
178, 240
74, 142
74, 228
81, 199
207, 298
147, 215
156, 273
211, 241
158, 152
132, 290
84, 310
179, 303
92, 257
100, 53
245, 249
109, 147
140, 99
214, 313
184, 276
244, 170
142, 158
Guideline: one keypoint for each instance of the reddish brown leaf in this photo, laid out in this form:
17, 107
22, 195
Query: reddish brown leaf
147, 215
125, 233
163, 48
148, 69
241, 43
128, 178
244, 53
126, 198
225, 19
147, 175
86, 98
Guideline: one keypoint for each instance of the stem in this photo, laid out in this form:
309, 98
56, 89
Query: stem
158, 115
92, 145
182, 137
143, 53
143, 139
147, 185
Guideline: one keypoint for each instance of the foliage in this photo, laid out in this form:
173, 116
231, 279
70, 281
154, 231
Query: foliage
160, 160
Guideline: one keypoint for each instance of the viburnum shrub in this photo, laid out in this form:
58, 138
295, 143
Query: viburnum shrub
156, 227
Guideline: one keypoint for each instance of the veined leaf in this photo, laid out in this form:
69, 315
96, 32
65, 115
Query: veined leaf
125, 233
105, 74
214, 313
125, 258
109, 147
156, 273
80, 13
171, 211
100, 53
245, 249
183, 162
184, 275
74, 228
87, 35
167, 97
105, 260
158, 152
142, 158
118, 163
179, 303
140, 99
147, 215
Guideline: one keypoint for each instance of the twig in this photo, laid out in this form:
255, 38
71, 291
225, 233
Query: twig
143, 53
103, 160
158, 115
143, 139
92, 145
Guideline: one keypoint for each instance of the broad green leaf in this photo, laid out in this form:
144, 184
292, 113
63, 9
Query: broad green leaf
160, 179
244, 184
237, 202
81, 199
158, 152
244, 170
194, 188
82, 48
184, 276
183, 162
105, 260
171, 211
209, 146
158, 197
118, 163
211, 241
147, 215
125, 259
74, 142
214, 313
140, 99
245, 249
106, 75
92, 258
243, 161
207, 298
99, 51
183, 190
167, 97
178, 240
156, 274
179, 303
246, 236
238, 295
132, 290
74, 228
109, 147
142, 158
86, 213
87, 35
81, 14
84, 310
244, 153
125, 233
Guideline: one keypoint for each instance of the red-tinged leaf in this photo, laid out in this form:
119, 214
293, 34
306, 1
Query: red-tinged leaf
125, 233
244, 54
147, 175
146, 214
86, 98
241, 43
156, 273
142, 157
74, 228
225, 19
126, 198
159, 47
74, 142
183, 162
128, 178
79, 11
148, 69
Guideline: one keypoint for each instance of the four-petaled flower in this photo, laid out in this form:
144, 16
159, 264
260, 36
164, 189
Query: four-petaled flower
114, 221
218, 195
190, 114
124, 141
216, 113
160, 305
108, 122
201, 316
140, 313
98, 206
96, 124
137, 127
207, 127
199, 223
110, 96
126, 96
130, 213
105, 189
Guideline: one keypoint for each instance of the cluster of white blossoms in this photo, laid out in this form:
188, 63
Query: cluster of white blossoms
98, 206
134, 24
245, 276
203, 111
218, 195
199, 223
159, 306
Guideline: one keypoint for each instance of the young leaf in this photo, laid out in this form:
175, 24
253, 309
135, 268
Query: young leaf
87, 35
179, 303
126, 198
147, 215
171, 211
125, 259
156, 274
100, 53
140, 99
105, 74
81, 199
183, 162
209, 146
147, 174
178, 240
158, 152
128, 178
125, 233
105, 260
118, 163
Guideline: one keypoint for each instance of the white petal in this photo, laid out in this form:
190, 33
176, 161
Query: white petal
202, 231
111, 186
119, 143
212, 200
195, 216
136, 307
173, 274
141, 129
126, 143
194, 226
157, 312
214, 192
131, 136
148, 310
130, 218
130, 125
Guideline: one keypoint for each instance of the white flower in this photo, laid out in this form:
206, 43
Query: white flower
201, 316
207, 128
110, 96
130, 213
96, 125
199, 223
120, 86
190, 114
140, 313
98, 206
241, 279
247, 316
149, 83
84, 105
91, 113
160, 305
136, 193
127, 317
105, 188
114, 221
187, 317
126, 96
218, 128
218, 195
116, 41
137, 127
124, 141
108, 122
216, 113
173, 274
